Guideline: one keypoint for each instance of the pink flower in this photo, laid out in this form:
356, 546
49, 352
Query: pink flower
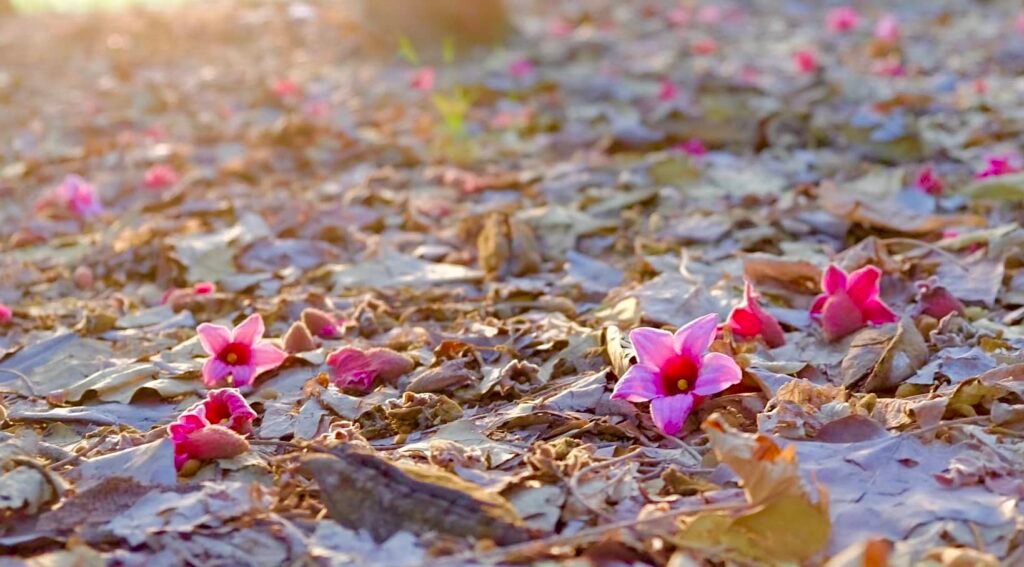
423, 79
935, 300
928, 182
710, 14
214, 428
160, 177
521, 68
240, 353
997, 165
1019, 24
805, 61
850, 301
204, 288
704, 47
749, 320
286, 88
354, 368
76, 196
842, 19
692, 147
6, 314
887, 28
675, 371
679, 16
890, 66
667, 91
561, 28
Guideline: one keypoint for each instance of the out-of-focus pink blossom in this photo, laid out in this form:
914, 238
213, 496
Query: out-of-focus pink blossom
676, 371
355, 368
423, 79
891, 66
160, 176
850, 301
286, 88
667, 91
709, 14
1019, 24
561, 27
75, 196
6, 314
842, 19
679, 16
204, 288
749, 320
704, 47
887, 28
806, 61
998, 165
935, 300
240, 353
928, 181
521, 68
214, 428
693, 147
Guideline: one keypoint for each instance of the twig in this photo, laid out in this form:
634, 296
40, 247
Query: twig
927, 245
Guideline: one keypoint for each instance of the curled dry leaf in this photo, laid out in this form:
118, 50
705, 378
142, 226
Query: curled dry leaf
506, 247
881, 358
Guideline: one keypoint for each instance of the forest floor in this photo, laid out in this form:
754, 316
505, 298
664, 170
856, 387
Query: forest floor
269, 299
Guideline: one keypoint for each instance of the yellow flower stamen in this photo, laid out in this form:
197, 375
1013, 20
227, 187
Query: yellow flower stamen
683, 384
231, 358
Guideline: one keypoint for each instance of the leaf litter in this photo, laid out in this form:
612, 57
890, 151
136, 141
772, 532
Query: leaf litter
290, 283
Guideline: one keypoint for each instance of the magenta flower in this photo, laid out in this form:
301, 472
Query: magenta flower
997, 165
850, 301
521, 68
704, 47
286, 88
928, 182
805, 61
76, 196
667, 91
6, 314
749, 319
693, 147
935, 300
842, 19
160, 177
214, 428
887, 28
204, 288
423, 79
675, 371
240, 353
354, 368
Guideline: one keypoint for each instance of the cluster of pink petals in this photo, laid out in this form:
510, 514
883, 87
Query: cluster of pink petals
423, 79
214, 428
521, 68
842, 19
693, 147
240, 353
749, 320
998, 165
6, 314
850, 301
76, 196
286, 88
887, 28
667, 91
928, 181
675, 372
935, 300
357, 369
806, 61
160, 176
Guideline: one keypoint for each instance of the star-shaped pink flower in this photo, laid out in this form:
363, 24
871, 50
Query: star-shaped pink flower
850, 301
214, 428
675, 371
240, 353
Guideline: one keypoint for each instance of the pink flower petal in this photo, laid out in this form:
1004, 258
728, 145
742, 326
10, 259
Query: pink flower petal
717, 373
840, 316
214, 442
640, 383
862, 284
215, 372
242, 376
694, 338
669, 413
249, 331
819, 305
213, 337
654, 347
833, 280
878, 313
266, 356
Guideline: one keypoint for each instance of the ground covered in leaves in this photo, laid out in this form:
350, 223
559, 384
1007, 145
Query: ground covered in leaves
453, 249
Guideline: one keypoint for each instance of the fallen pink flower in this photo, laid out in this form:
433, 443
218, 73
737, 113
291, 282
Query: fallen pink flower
850, 301
214, 428
240, 353
928, 181
704, 47
355, 368
160, 177
842, 19
561, 28
693, 147
1019, 24
76, 196
709, 14
667, 91
935, 300
320, 323
679, 16
997, 165
675, 372
887, 29
888, 67
6, 314
286, 88
521, 68
749, 320
204, 288
805, 61
423, 79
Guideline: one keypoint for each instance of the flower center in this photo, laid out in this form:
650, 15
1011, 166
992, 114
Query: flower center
236, 354
678, 375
